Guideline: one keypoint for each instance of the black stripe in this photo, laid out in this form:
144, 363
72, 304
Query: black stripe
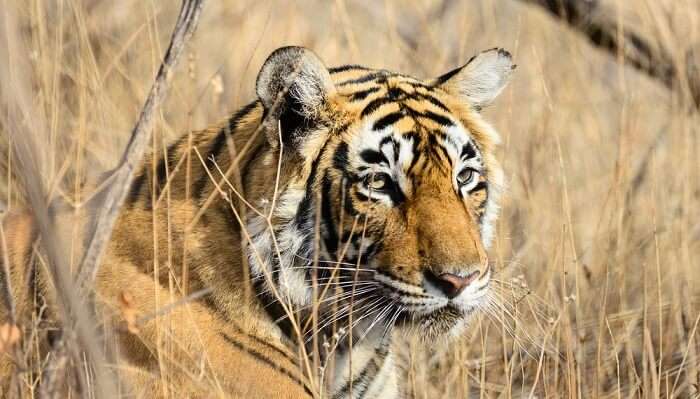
268, 345
349, 205
397, 150
135, 190
386, 139
432, 100
394, 191
305, 223
416, 140
33, 274
355, 381
275, 311
414, 161
392, 276
376, 365
303, 211
331, 239
344, 68
482, 185
468, 152
433, 147
396, 93
340, 158
210, 302
439, 119
217, 146
260, 357
366, 78
444, 78
370, 251
373, 157
364, 198
361, 95
439, 134
387, 120
418, 84
351, 236
445, 154
235, 120
374, 105
368, 373
394, 146
162, 170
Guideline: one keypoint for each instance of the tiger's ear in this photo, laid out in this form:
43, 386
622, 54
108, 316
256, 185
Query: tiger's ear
293, 84
481, 79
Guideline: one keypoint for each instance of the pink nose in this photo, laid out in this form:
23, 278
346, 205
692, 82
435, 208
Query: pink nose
451, 284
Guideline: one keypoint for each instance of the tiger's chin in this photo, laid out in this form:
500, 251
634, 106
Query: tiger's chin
448, 322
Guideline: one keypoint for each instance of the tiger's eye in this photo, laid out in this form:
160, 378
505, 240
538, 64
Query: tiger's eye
377, 183
465, 176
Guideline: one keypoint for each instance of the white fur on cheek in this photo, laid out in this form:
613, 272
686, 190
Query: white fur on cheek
281, 246
284, 249
496, 183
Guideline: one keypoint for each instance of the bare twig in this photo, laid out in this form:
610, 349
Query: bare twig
603, 30
170, 307
25, 123
113, 198
54, 373
7, 287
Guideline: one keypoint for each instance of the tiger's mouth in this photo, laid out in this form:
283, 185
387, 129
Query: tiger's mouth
380, 301
426, 308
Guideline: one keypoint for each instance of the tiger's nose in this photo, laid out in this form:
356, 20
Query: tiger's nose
451, 284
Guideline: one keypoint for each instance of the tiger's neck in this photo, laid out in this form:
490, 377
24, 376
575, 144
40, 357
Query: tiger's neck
366, 370
352, 365
355, 365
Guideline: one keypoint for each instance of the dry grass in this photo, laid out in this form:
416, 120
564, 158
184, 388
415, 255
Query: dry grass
598, 246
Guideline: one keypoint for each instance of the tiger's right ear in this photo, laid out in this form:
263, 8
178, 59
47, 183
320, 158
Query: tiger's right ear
293, 85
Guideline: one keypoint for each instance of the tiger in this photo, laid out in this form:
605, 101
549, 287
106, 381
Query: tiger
341, 208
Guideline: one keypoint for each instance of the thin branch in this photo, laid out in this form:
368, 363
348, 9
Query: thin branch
7, 287
54, 374
601, 27
25, 123
114, 196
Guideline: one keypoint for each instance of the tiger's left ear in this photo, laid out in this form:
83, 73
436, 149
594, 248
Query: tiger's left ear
293, 85
481, 79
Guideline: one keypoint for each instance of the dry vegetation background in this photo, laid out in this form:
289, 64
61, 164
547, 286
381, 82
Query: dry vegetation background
600, 232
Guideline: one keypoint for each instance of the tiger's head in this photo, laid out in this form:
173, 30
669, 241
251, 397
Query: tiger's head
387, 189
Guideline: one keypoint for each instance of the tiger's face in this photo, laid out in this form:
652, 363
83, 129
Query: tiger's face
390, 191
